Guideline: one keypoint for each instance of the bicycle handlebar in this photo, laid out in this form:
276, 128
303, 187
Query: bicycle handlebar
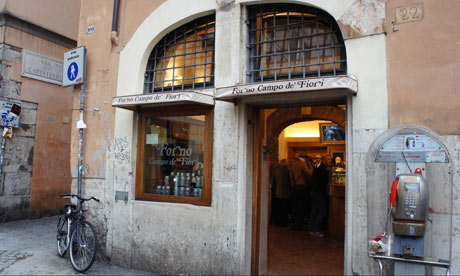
80, 198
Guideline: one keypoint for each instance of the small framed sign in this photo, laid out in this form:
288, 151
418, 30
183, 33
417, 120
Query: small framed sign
331, 133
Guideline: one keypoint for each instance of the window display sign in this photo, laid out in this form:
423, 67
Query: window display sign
417, 148
10, 113
173, 156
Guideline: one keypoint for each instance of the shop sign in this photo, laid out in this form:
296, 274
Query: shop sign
132, 101
40, 67
279, 87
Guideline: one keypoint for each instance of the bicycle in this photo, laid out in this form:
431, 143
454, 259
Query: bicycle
76, 235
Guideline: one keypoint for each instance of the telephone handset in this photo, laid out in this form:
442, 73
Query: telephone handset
409, 202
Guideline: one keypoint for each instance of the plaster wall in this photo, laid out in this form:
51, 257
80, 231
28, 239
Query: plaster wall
30, 42
51, 165
131, 16
423, 59
367, 61
58, 16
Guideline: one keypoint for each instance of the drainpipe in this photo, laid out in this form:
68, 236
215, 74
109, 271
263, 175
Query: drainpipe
114, 33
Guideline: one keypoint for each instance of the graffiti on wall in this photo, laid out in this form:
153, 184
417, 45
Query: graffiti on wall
121, 149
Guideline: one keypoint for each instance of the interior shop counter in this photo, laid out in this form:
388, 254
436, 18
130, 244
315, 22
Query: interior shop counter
337, 203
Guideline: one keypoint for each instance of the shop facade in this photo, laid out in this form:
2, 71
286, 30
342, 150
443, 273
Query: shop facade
175, 141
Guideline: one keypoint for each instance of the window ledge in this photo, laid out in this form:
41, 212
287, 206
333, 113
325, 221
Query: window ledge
187, 206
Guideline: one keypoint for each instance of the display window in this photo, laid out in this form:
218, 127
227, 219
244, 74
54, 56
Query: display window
174, 155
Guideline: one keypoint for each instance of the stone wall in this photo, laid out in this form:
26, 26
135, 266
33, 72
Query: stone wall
18, 153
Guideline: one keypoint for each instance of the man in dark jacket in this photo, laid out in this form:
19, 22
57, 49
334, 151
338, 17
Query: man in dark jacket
319, 197
301, 174
281, 188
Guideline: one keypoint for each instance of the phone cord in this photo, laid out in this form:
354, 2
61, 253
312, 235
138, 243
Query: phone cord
387, 226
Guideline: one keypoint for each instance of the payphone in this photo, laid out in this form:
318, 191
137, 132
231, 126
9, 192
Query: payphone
409, 209
409, 203
408, 206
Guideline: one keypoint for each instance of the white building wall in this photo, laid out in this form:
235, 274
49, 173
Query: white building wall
366, 58
178, 238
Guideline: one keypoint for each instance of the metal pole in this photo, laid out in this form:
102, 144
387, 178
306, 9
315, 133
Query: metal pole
2, 153
380, 267
80, 142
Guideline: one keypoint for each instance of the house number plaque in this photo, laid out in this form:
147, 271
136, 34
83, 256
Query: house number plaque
409, 13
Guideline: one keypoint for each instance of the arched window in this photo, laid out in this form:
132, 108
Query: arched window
183, 59
293, 41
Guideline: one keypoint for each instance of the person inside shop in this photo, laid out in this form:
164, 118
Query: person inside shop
310, 163
281, 191
339, 162
301, 175
319, 197
317, 160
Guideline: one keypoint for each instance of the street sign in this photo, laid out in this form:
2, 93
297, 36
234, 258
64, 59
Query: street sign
73, 69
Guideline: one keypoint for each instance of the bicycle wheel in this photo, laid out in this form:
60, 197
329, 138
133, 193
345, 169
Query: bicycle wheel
62, 236
83, 246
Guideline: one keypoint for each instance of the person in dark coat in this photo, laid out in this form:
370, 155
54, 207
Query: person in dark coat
281, 189
301, 174
319, 197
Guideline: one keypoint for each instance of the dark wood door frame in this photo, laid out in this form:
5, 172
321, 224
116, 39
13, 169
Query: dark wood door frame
258, 133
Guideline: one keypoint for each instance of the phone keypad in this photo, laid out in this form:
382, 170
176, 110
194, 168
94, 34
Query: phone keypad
410, 201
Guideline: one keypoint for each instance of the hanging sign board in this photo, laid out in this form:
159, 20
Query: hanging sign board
160, 99
415, 148
9, 113
348, 83
73, 69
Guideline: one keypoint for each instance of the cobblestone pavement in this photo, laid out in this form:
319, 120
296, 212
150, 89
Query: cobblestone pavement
28, 247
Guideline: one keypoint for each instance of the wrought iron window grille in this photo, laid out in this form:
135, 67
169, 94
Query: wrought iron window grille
183, 59
288, 41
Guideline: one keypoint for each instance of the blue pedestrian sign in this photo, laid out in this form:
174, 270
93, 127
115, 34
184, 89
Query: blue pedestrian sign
74, 66
72, 71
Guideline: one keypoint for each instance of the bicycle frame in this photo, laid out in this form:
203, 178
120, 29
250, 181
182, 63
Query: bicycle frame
81, 237
70, 219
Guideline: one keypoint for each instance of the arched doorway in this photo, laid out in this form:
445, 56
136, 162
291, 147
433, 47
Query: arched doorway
289, 251
283, 117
